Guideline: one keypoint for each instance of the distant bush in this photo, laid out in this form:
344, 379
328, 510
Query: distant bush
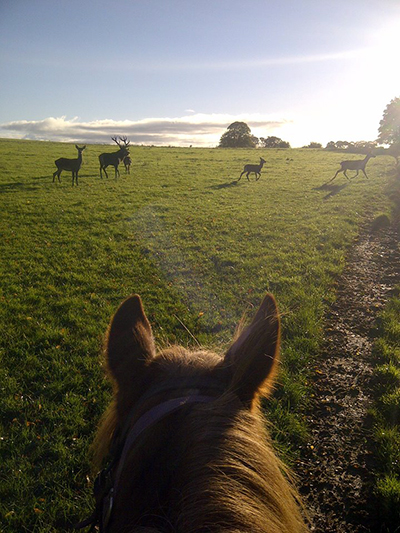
357, 147
273, 142
313, 145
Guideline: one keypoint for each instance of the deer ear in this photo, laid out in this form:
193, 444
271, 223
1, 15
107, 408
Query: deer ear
253, 357
129, 342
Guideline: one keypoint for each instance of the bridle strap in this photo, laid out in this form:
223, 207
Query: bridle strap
155, 414
106, 485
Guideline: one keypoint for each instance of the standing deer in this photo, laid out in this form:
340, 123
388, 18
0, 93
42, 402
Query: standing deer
115, 158
358, 164
253, 168
72, 165
127, 162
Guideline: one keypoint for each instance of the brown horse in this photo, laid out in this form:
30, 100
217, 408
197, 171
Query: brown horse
186, 442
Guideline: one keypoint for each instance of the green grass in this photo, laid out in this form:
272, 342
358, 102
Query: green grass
199, 248
387, 411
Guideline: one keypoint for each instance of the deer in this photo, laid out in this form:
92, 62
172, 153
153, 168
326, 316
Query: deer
115, 158
127, 162
253, 168
357, 165
72, 165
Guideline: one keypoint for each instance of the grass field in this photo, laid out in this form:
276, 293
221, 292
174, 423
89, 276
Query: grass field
197, 246
386, 410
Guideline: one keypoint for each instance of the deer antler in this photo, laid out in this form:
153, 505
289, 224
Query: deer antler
115, 140
124, 139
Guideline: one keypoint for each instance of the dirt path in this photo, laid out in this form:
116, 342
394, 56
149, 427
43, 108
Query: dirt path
336, 470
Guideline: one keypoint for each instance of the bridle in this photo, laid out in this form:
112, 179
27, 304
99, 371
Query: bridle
106, 483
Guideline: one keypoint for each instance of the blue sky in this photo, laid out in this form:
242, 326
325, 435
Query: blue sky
180, 71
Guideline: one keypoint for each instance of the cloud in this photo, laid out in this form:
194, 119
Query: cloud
197, 129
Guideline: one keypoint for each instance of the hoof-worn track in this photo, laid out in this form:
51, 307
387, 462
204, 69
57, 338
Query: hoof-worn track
337, 466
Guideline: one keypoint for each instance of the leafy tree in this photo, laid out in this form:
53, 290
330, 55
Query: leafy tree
238, 135
389, 126
273, 142
314, 145
331, 146
358, 147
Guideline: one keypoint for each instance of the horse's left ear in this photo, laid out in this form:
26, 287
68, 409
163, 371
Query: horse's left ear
253, 358
129, 342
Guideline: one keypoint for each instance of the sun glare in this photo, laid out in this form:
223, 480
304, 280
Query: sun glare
384, 55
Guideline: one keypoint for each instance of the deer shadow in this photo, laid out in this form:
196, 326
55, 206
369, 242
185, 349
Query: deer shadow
333, 189
30, 185
226, 185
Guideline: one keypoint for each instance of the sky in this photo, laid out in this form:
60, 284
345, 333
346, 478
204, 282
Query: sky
178, 72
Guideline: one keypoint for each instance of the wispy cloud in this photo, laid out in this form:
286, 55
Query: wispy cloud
256, 63
197, 129
135, 65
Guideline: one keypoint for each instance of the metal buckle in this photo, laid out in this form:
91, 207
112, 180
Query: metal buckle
108, 503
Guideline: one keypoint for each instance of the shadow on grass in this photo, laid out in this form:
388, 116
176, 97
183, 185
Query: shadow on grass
224, 185
31, 184
34, 182
333, 189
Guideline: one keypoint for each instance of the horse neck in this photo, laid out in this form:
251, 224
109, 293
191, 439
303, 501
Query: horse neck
204, 468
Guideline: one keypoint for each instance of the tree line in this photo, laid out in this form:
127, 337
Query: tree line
238, 135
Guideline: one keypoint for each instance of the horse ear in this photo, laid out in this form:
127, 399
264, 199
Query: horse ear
129, 342
253, 357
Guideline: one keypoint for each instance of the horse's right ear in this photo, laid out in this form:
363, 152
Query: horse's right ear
129, 342
253, 358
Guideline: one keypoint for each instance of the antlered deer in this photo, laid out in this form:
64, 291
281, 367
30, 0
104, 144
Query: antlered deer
358, 164
185, 435
253, 168
114, 158
72, 165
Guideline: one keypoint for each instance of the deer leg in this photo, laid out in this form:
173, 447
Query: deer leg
344, 172
365, 174
247, 176
335, 175
357, 171
259, 175
241, 175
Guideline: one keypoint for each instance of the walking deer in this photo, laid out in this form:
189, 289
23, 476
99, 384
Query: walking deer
185, 439
358, 164
72, 165
253, 168
127, 162
114, 158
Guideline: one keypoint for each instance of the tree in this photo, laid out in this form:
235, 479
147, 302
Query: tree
389, 126
331, 146
273, 142
238, 135
314, 145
